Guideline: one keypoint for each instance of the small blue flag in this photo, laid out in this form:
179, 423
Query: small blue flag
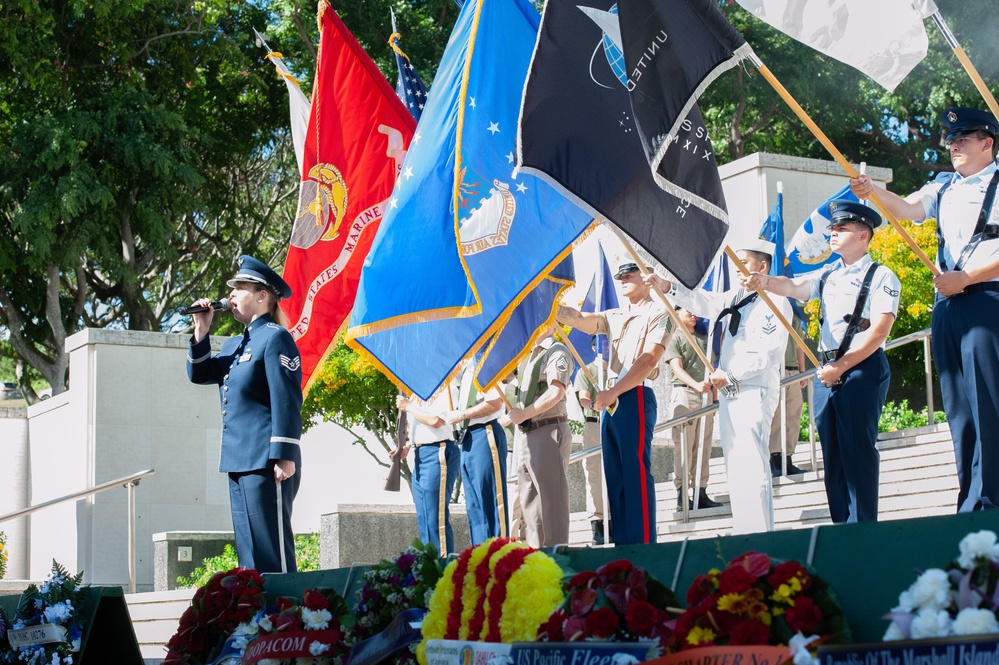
773, 231
600, 297
809, 248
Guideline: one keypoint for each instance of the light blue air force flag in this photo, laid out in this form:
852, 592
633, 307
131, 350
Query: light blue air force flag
464, 239
809, 249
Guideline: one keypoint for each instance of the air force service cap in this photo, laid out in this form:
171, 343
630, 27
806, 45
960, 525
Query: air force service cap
844, 210
961, 120
256, 271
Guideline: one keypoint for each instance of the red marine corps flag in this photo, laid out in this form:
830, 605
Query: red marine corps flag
358, 135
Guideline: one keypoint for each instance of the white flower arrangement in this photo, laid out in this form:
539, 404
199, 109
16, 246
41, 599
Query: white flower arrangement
54, 603
957, 601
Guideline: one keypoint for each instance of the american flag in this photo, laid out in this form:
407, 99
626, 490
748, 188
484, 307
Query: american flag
409, 86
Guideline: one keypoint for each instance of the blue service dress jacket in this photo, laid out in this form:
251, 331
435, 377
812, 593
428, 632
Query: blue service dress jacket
260, 388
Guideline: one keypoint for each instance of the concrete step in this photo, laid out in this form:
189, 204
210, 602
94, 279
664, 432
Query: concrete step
918, 478
155, 617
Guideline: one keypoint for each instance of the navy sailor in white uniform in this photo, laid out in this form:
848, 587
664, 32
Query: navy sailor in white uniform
748, 381
259, 376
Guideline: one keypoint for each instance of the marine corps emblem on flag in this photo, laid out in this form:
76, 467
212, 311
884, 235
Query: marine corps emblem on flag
322, 202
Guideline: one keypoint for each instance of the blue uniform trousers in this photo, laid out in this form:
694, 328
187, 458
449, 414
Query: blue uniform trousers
427, 493
479, 462
253, 498
966, 351
627, 450
847, 419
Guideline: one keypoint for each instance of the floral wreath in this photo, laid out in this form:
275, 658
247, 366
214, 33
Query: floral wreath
3, 555
390, 587
227, 600
619, 602
291, 632
757, 600
498, 591
960, 600
57, 603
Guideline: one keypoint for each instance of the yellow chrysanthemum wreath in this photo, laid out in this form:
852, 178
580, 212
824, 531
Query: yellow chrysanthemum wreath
499, 591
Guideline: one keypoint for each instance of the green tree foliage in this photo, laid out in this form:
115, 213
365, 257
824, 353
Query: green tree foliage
147, 147
425, 26
351, 392
897, 130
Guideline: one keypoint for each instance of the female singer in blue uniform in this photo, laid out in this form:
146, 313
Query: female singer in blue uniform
260, 386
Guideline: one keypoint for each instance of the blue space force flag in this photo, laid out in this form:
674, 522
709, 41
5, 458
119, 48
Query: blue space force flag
464, 240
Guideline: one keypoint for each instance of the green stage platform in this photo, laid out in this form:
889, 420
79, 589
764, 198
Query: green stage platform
867, 564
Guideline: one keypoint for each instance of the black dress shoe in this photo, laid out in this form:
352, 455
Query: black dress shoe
775, 465
704, 502
792, 470
679, 503
597, 527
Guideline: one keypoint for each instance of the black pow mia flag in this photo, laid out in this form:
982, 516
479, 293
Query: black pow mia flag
609, 117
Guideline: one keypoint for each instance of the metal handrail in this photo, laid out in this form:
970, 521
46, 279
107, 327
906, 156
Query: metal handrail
924, 335
129, 482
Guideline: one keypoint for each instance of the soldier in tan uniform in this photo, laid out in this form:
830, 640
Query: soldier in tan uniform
544, 442
638, 334
586, 392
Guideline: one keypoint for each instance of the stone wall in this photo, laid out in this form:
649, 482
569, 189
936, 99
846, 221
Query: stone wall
14, 489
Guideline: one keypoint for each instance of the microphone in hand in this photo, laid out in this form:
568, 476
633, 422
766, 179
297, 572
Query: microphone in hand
224, 305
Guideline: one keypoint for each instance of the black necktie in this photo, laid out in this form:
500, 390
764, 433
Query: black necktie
736, 314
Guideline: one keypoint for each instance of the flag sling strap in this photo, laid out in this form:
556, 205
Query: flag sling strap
858, 309
983, 220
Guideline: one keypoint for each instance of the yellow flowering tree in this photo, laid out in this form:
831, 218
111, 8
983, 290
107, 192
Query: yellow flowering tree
915, 307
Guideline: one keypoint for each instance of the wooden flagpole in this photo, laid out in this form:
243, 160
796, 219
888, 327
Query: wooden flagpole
640, 262
955, 46
770, 303
840, 159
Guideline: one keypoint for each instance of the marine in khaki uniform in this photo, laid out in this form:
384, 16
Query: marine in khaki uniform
638, 335
586, 393
691, 392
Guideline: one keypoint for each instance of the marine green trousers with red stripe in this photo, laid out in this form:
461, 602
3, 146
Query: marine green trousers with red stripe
627, 450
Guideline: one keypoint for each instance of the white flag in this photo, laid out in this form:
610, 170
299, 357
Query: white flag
300, 106
884, 39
